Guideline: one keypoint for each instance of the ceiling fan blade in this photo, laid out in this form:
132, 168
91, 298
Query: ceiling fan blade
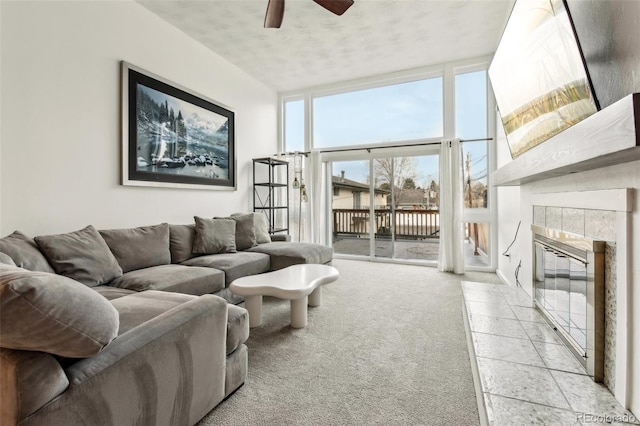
335, 6
274, 15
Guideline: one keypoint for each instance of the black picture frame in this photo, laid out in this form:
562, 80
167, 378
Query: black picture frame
173, 137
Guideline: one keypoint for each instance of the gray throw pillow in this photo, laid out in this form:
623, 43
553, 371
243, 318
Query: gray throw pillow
214, 236
181, 242
51, 313
138, 248
24, 252
245, 234
81, 255
260, 226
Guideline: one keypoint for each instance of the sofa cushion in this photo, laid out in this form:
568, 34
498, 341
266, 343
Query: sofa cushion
260, 226
29, 381
237, 327
281, 238
81, 255
245, 231
24, 252
214, 236
234, 265
138, 248
176, 278
111, 293
287, 254
139, 307
51, 313
181, 242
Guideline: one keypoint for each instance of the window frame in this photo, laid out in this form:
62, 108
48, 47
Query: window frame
447, 71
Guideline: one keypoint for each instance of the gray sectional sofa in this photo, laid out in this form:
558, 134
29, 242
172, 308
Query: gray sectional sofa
125, 326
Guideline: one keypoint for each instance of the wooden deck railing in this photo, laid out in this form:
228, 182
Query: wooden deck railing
408, 223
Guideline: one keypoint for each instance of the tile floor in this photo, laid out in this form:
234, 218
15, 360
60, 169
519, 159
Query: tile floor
527, 376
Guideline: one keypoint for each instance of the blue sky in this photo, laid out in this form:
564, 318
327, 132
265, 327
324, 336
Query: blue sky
395, 113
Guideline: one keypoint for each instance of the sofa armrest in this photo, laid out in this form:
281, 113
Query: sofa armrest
29, 381
280, 237
172, 367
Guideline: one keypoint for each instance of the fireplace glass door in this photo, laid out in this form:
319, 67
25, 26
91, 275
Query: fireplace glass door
561, 289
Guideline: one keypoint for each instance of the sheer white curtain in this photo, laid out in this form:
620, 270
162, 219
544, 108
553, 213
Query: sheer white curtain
297, 208
451, 258
317, 201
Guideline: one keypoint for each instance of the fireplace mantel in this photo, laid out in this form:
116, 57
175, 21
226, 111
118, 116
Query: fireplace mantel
609, 137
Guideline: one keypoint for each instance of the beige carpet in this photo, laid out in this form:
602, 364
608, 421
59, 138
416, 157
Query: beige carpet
386, 347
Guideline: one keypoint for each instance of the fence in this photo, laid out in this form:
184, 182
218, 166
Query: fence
410, 224
478, 234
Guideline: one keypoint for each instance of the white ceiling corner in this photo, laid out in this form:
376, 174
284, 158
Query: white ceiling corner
315, 47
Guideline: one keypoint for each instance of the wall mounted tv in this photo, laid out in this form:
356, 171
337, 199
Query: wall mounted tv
539, 76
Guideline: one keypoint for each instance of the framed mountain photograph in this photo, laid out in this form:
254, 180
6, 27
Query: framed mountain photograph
173, 137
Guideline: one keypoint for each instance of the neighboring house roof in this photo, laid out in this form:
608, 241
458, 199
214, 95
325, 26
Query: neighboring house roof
342, 182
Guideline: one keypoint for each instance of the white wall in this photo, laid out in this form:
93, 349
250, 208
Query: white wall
508, 217
60, 74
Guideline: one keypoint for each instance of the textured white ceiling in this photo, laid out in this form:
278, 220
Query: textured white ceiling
315, 47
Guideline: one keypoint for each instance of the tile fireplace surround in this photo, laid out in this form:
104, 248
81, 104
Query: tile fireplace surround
600, 225
524, 372
599, 215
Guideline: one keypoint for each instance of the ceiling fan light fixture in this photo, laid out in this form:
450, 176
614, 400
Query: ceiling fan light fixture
275, 10
335, 6
274, 15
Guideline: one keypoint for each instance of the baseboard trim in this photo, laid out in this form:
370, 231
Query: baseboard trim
502, 277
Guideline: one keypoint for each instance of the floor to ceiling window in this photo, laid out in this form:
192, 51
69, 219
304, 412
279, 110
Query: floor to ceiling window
471, 123
294, 125
399, 112
381, 141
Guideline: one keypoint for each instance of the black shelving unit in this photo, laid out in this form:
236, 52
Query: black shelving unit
271, 196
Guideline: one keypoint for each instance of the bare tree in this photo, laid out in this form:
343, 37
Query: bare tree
478, 196
399, 172
433, 194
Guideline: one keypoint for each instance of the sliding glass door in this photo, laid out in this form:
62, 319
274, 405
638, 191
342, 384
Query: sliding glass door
386, 208
350, 207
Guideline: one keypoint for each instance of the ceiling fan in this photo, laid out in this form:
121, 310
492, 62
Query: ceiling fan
275, 10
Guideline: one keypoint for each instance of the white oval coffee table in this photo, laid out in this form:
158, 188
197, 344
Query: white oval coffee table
299, 283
